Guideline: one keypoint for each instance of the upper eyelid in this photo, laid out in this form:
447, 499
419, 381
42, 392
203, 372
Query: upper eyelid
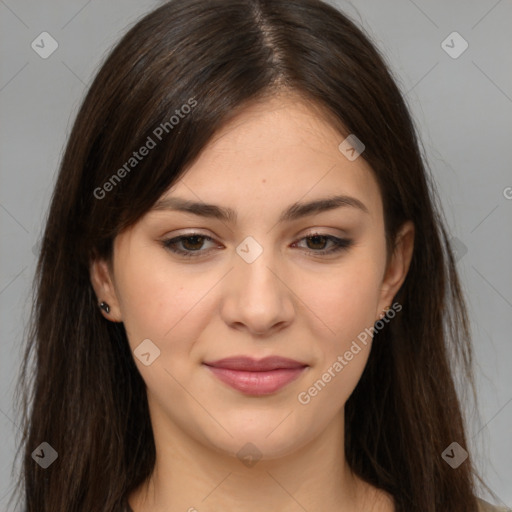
318, 232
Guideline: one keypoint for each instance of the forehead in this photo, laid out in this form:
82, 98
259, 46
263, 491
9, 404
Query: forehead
274, 153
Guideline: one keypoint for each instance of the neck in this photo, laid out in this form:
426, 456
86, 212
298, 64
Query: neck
189, 476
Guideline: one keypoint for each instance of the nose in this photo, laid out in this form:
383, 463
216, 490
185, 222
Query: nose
257, 297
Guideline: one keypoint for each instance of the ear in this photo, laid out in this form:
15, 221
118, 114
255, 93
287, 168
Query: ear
103, 284
398, 266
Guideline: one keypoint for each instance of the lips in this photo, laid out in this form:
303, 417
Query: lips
248, 364
256, 377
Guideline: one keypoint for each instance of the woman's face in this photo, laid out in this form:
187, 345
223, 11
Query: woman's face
254, 285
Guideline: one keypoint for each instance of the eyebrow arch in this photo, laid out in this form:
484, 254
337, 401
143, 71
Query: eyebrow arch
293, 212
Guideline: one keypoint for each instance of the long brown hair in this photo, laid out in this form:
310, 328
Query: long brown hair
82, 392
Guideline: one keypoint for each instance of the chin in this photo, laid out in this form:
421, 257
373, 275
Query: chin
258, 442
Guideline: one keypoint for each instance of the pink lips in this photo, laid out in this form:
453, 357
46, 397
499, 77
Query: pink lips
256, 377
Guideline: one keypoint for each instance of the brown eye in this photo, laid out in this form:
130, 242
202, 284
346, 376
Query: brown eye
317, 242
191, 244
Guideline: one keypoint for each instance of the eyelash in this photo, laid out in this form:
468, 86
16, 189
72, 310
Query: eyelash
340, 244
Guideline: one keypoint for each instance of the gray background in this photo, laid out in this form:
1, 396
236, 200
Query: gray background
462, 106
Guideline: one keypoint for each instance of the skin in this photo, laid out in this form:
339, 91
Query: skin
289, 302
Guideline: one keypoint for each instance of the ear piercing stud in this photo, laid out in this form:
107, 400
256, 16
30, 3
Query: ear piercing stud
105, 307
384, 312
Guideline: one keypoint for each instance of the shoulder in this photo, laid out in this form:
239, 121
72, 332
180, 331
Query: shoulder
483, 506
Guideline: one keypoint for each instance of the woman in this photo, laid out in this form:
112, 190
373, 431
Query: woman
245, 297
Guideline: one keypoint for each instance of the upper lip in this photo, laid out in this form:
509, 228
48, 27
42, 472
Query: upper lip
266, 364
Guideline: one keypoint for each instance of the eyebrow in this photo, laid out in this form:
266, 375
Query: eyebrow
293, 212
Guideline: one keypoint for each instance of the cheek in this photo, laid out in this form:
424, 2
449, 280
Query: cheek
344, 302
343, 299
164, 306
330, 386
161, 303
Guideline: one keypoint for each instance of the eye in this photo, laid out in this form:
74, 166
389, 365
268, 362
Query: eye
192, 244
319, 241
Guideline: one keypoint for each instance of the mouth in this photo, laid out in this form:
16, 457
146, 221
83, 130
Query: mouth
256, 377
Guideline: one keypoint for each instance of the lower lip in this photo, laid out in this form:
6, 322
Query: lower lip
257, 383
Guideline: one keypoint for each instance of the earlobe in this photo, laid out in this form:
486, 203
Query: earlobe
103, 285
398, 266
